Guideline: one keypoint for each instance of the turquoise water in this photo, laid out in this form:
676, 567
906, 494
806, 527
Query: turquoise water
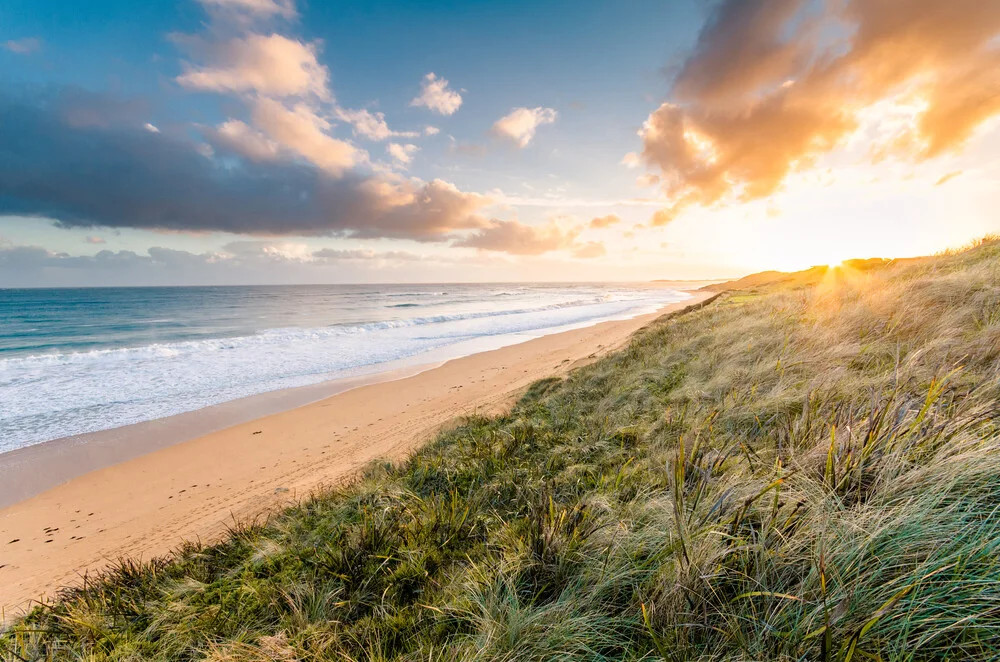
82, 360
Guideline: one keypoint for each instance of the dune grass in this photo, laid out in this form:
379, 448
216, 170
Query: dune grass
803, 470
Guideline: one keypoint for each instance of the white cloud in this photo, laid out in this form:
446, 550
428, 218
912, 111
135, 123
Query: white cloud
282, 251
270, 65
151, 128
521, 123
254, 8
243, 139
303, 131
431, 130
437, 96
366, 254
24, 46
630, 160
283, 84
402, 154
371, 125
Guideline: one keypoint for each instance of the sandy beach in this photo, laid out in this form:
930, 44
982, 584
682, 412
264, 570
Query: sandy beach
144, 506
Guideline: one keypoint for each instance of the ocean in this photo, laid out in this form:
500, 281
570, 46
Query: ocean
74, 361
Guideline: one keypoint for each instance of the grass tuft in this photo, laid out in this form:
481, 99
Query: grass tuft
804, 469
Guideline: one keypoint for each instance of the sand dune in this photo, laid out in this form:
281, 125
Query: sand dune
145, 506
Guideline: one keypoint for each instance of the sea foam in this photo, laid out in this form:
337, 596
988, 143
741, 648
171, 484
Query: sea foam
52, 394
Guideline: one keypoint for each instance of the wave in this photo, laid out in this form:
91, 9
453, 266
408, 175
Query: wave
391, 295
48, 395
292, 334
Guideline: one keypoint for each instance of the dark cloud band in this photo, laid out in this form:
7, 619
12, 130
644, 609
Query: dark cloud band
122, 174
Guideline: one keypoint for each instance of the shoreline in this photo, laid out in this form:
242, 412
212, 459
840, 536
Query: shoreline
145, 505
31, 470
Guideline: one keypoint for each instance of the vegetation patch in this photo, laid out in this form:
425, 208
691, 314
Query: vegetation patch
812, 474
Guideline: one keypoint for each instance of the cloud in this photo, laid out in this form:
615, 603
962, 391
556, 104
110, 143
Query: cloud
605, 221
437, 96
25, 259
82, 108
252, 8
473, 150
371, 125
647, 180
24, 46
402, 154
245, 262
947, 178
742, 50
248, 253
284, 87
271, 65
771, 86
269, 250
557, 198
122, 175
590, 250
429, 211
239, 138
94, 240
520, 124
300, 129
431, 130
518, 238
367, 255
631, 160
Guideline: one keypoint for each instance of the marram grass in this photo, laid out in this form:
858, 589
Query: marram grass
806, 470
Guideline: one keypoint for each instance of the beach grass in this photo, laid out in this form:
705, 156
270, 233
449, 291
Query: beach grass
807, 468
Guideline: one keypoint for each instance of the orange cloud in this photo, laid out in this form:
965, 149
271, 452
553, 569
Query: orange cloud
590, 249
605, 221
272, 65
947, 178
518, 238
303, 131
520, 124
770, 87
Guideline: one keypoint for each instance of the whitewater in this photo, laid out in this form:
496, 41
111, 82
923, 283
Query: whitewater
74, 361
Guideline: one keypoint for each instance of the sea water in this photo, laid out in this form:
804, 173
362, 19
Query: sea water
87, 359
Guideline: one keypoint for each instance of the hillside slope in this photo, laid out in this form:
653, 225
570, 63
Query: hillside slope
811, 276
805, 470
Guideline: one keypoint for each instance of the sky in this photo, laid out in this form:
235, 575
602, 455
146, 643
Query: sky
188, 142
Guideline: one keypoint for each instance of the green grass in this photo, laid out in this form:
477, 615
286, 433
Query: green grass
801, 471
